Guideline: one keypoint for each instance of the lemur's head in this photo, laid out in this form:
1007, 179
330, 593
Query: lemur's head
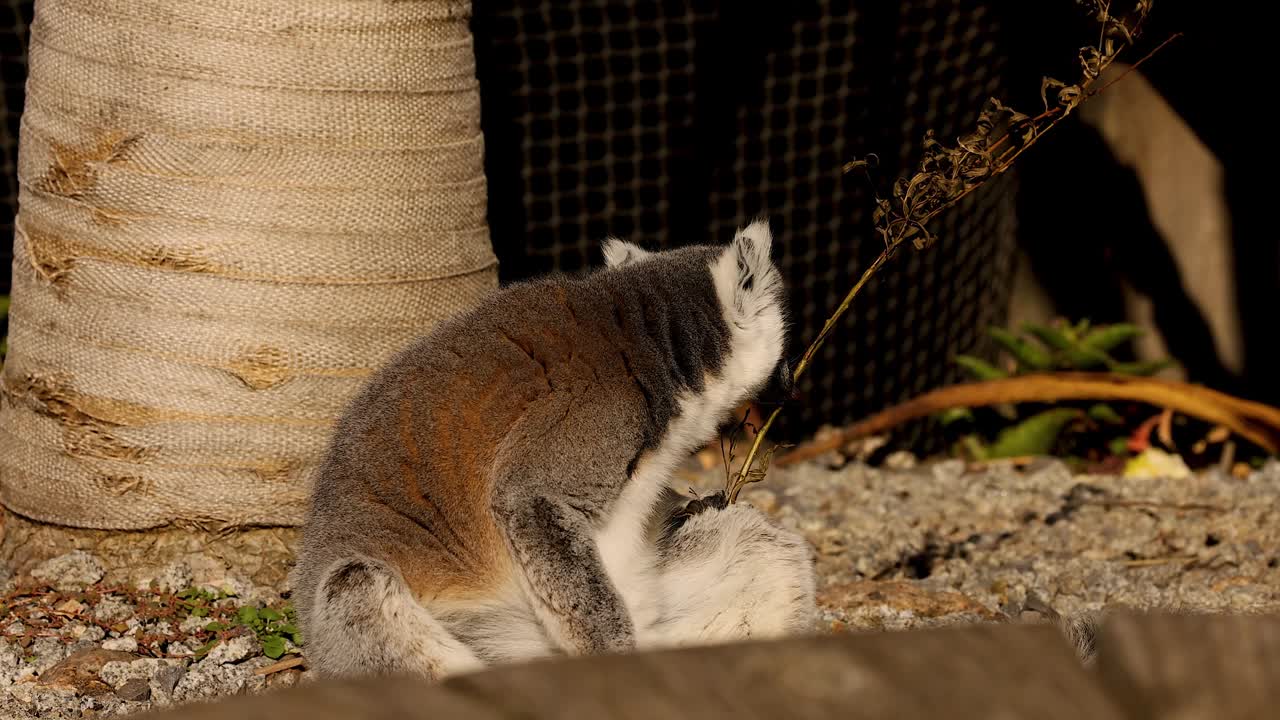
749, 288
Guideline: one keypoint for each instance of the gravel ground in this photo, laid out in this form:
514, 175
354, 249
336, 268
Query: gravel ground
939, 545
896, 548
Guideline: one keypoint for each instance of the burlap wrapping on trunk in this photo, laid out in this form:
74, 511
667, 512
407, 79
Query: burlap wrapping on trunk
231, 212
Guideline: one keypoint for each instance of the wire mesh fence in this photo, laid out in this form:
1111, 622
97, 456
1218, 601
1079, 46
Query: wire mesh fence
672, 122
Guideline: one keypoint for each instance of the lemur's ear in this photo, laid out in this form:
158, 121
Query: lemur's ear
745, 275
752, 246
620, 252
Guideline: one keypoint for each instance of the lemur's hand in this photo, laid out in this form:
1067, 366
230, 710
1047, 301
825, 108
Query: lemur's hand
714, 501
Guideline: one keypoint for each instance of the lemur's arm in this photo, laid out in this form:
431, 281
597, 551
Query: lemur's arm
554, 490
571, 592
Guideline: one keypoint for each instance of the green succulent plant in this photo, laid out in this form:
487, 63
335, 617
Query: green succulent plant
1062, 347
1023, 431
272, 626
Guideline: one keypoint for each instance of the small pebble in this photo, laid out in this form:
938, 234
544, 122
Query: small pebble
136, 690
231, 651
176, 577
111, 609
900, 460
166, 678
124, 644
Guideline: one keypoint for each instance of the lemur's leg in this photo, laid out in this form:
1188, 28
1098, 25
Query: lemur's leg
365, 621
728, 573
572, 595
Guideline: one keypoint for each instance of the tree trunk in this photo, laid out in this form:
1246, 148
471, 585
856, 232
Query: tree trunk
231, 213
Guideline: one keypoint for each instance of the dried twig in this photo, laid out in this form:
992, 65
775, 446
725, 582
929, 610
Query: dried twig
286, 664
948, 174
1155, 505
1152, 562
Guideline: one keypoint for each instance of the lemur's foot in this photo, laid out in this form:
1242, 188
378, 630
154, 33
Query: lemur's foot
715, 501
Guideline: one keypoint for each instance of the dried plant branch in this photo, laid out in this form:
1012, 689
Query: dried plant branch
1254, 421
946, 175
728, 446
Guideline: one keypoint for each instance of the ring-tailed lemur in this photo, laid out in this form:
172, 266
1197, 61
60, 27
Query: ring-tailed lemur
499, 491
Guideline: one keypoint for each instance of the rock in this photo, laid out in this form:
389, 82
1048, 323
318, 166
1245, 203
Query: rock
10, 662
81, 632
79, 671
124, 644
257, 682
24, 673
206, 680
111, 609
947, 469
12, 709
117, 673
232, 651
165, 680
182, 648
45, 701
160, 676
192, 624
284, 679
73, 571
136, 690
176, 577
900, 460
48, 652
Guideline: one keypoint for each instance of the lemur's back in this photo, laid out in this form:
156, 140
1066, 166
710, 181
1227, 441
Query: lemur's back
500, 490
411, 471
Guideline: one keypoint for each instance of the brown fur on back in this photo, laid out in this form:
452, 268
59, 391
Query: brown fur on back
491, 494
595, 363
416, 477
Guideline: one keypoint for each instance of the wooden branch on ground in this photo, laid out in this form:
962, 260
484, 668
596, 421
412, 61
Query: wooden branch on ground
1253, 421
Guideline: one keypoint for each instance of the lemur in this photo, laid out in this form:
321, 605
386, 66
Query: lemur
500, 491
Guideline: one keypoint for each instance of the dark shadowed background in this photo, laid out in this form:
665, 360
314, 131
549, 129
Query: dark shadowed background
672, 122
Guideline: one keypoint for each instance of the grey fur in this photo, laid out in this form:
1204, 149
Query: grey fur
364, 630
552, 541
545, 399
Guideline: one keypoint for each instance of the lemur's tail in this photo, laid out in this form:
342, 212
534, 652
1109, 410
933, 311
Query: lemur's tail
363, 620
